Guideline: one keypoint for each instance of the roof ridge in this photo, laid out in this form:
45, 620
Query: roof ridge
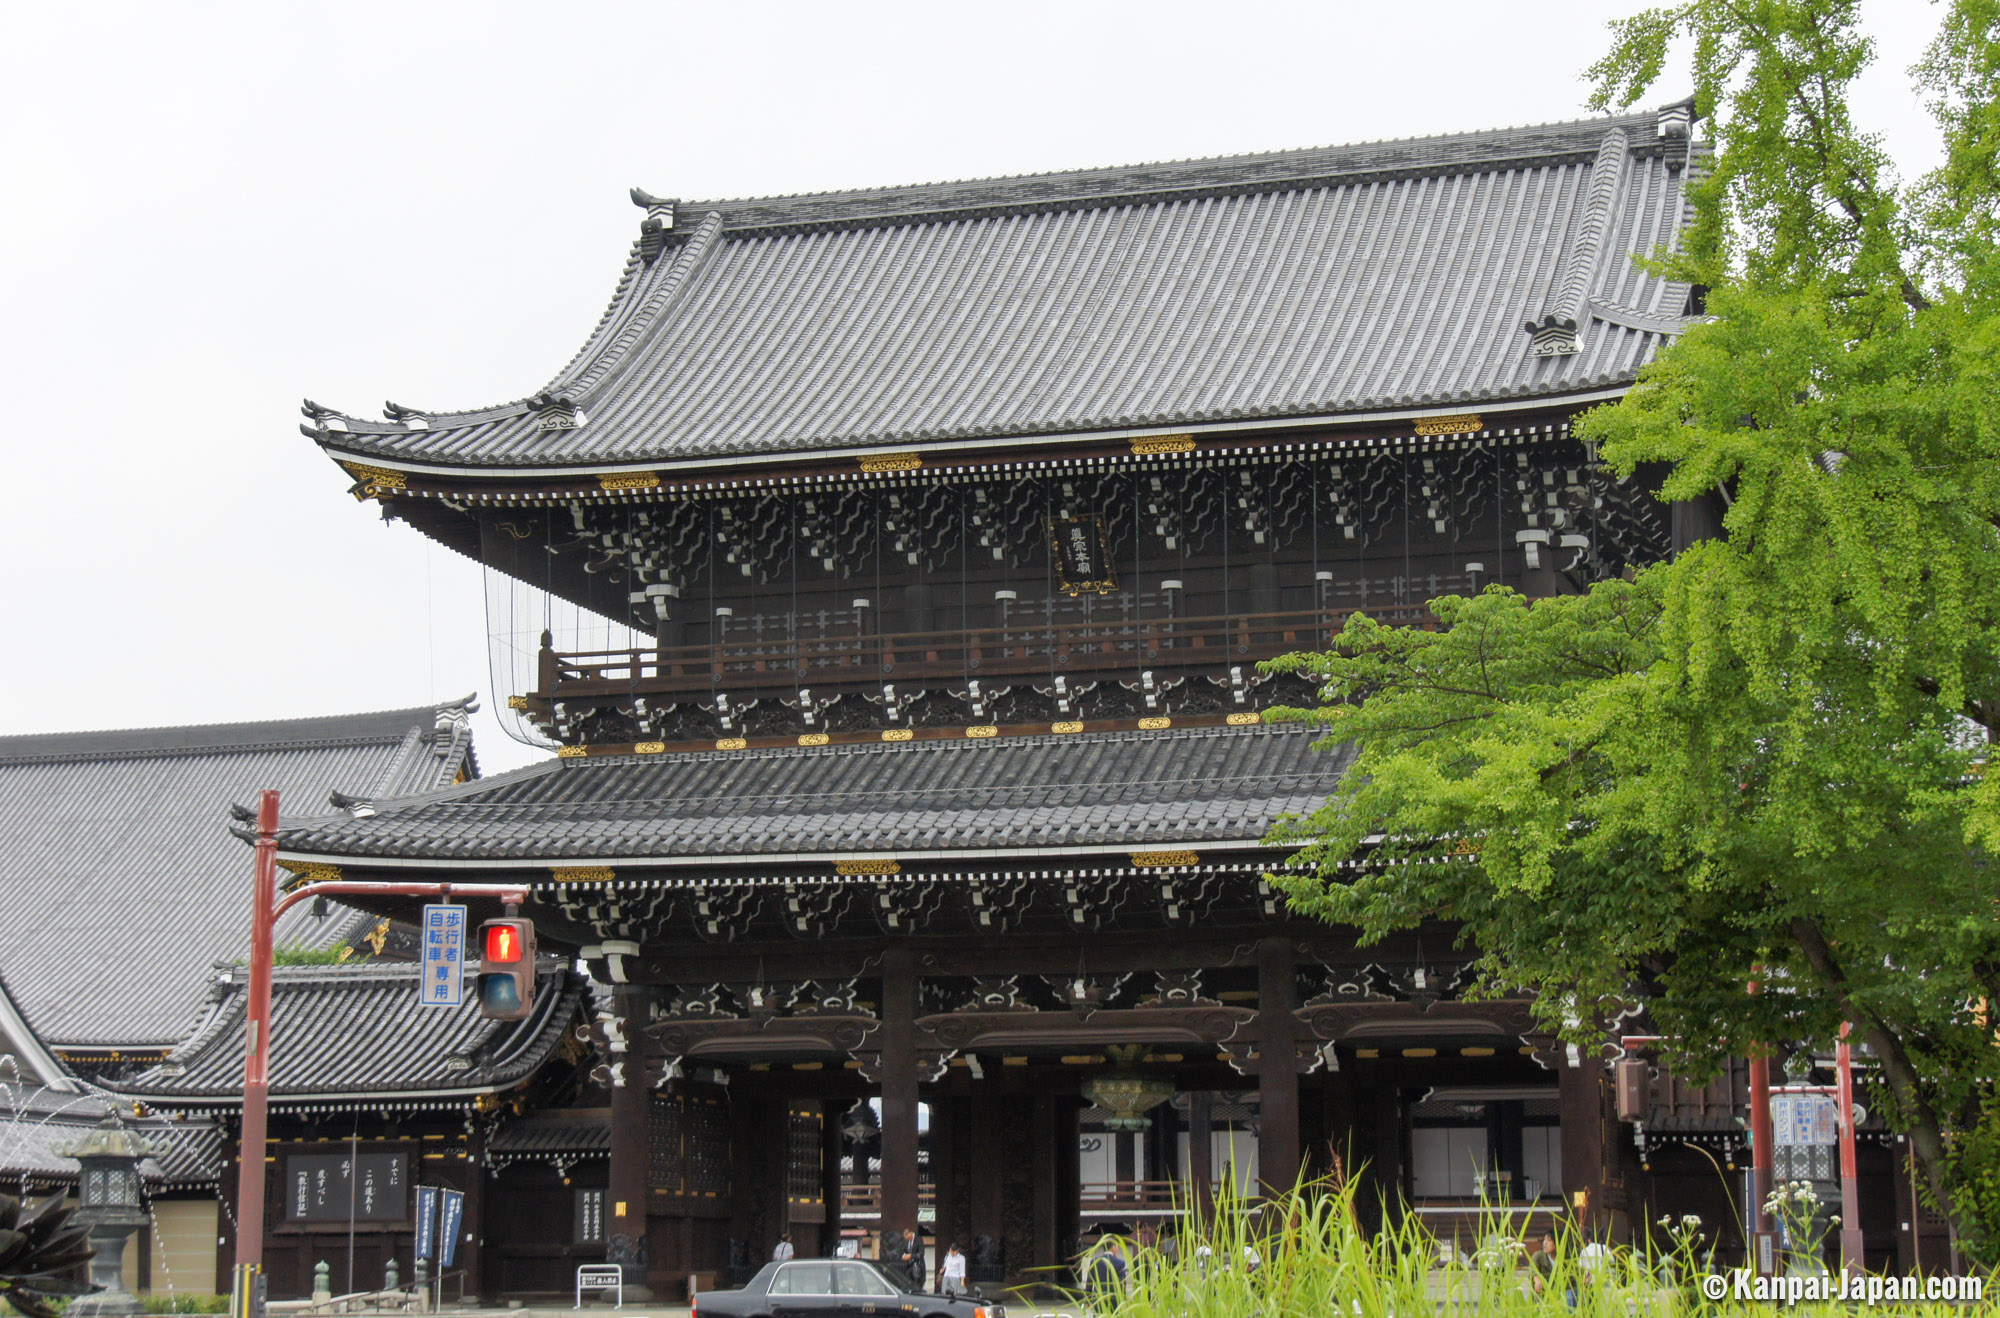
364, 728
1601, 121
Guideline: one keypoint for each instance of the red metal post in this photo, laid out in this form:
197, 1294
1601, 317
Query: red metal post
1851, 1246
1763, 1247
265, 910
257, 1055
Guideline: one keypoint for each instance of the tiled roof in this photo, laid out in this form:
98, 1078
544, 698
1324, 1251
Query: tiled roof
345, 1032
580, 1133
36, 1123
106, 837
1294, 284
1110, 789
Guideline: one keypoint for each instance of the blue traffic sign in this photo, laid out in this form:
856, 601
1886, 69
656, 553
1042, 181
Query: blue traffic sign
443, 983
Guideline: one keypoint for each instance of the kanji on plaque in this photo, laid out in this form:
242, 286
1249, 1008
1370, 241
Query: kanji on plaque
443, 978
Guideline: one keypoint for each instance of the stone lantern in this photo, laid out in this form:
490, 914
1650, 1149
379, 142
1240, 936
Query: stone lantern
107, 1191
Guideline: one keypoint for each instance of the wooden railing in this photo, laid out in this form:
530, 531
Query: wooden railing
1019, 649
1132, 1196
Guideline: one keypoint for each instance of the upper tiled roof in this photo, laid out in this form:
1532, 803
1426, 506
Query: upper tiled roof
1110, 790
359, 1032
103, 834
1294, 284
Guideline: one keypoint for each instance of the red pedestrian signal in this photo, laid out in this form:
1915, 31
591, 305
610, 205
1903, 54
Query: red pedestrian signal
506, 969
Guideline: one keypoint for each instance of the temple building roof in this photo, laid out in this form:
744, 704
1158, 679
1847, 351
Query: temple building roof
41, 1123
117, 847
1021, 796
357, 1032
1280, 288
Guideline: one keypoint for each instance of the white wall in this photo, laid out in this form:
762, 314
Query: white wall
1447, 1160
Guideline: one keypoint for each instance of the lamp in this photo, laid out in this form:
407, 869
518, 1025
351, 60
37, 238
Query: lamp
107, 1189
1127, 1092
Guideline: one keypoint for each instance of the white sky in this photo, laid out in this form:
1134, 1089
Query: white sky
212, 210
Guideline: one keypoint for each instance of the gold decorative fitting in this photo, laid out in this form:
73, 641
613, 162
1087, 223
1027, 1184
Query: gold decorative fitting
582, 874
730, 744
1164, 444
312, 871
571, 752
1244, 720
891, 462
517, 702
897, 734
857, 867
374, 482
649, 747
631, 480
986, 730
1066, 727
1155, 724
1155, 860
378, 937
1450, 425
812, 739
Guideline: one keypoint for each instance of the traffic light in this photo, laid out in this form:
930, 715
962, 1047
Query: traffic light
506, 969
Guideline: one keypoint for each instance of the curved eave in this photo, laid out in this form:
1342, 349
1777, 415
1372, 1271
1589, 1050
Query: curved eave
969, 448
761, 858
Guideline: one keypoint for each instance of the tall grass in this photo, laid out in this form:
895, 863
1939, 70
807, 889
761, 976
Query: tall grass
1315, 1259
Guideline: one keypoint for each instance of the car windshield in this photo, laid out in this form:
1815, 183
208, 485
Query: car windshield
899, 1281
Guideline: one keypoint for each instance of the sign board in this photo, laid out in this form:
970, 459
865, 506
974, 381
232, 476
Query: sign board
589, 1225
443, 982
427, 1213
454, 1221
1081, 551
1804, 1119
331, 1187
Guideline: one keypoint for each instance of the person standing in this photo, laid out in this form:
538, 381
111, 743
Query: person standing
951, 1272
783, 1252
910, 1254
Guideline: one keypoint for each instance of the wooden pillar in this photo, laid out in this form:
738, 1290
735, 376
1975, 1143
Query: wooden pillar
899, 1090
987, 1183
1580, 1103
1201, 1152
1043, 1155
1277, 1068
631, 1156
945, 1207
833, 1118
1387, 1163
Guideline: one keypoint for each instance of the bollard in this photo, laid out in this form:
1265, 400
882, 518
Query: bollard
322, 1282
422, 1281
392, 1276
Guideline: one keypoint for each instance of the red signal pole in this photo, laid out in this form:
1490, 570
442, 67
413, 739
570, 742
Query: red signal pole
246, 1300
1850, 1172
1763, 1248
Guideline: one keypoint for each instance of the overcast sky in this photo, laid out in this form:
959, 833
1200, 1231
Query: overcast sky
212, 210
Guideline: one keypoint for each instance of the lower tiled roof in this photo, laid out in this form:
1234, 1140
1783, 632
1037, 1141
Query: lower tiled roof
1111, 790
358, 1032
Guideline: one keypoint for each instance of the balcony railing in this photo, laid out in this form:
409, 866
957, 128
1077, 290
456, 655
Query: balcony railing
1018, 649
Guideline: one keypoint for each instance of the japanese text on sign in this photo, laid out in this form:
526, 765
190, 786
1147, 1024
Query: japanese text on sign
443, 983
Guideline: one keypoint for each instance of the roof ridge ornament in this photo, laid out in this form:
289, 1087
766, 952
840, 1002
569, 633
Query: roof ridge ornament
658, 223
1555, 334
557, 412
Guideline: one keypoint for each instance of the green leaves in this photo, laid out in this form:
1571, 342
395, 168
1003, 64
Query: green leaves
1773, 756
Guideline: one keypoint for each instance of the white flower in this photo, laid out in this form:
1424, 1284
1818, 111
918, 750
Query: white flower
1691, 1221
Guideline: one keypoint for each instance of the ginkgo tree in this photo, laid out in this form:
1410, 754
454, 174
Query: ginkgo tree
1767, 759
